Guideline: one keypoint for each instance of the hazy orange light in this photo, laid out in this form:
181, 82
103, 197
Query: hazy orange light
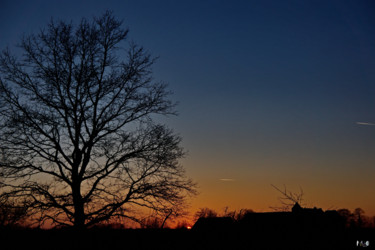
188, 227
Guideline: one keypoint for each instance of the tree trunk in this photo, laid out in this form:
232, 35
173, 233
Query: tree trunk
79, 212
166, 218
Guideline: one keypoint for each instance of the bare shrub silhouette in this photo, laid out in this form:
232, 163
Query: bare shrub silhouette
12, 214
236, 215
151, 222
205, 213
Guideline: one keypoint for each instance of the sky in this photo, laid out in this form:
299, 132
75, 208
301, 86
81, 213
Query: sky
270, 92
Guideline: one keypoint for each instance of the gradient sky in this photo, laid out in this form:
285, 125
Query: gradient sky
270, 92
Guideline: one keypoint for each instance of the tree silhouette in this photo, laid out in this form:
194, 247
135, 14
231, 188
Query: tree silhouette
12, 214
358, 213
288, 198
205, 213
77, 126
347, 215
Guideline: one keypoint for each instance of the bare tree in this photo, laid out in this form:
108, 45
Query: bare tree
347, 215
359, 215
288, 198
357, 218
242, 213
151, 222
205, 213
236, 215
77, 126
12, 214
171, 213
159, 218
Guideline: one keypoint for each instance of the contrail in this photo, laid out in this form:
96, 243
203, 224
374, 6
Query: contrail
226, 179
366, 123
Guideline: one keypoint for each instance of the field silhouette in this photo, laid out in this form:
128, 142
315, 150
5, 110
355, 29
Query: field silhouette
222, 238
302, 228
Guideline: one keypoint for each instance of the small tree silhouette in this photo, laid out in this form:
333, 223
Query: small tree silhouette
205, 213
12, 214
237, 216
359, 215
347, 215
288, 198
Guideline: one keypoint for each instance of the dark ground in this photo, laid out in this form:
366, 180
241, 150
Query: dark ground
180, 239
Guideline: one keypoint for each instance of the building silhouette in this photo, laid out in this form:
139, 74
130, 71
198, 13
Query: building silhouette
308, 228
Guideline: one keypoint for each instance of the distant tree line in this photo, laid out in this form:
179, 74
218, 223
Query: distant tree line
15, 215
353, 219
210, 213
357, 218
12, 214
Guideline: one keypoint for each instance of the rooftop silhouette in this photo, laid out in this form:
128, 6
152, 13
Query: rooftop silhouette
306, 227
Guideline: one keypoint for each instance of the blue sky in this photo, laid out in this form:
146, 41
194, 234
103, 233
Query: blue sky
270, 92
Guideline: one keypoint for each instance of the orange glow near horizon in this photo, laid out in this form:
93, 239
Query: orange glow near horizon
326, 187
